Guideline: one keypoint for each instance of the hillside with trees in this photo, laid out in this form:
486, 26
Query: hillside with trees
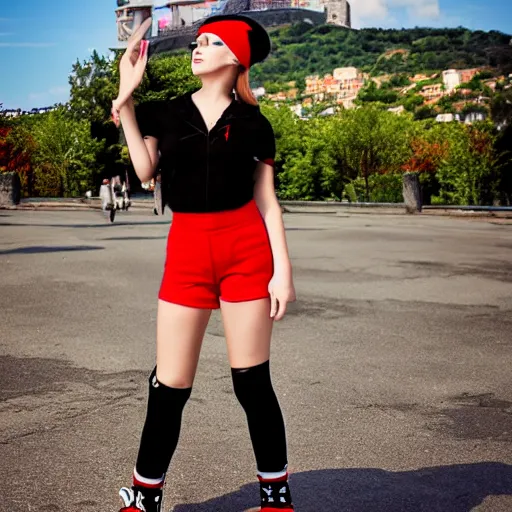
302, 50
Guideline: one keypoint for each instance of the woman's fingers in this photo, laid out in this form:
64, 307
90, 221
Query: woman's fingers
273, 305
131, 77
281, 310
138, 35
141, 63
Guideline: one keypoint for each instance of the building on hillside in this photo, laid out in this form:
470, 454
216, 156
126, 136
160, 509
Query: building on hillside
349, 73
258, 92
447, 118
314, 85
343, 85
297, 109
397, 110
473, 117
338, 13
491, 83
347, 102
331, 85
466, 75
12, 113
419, 78
465, 92
451, 79
432, 93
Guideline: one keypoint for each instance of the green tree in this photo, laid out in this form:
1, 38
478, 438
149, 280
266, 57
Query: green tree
168, 76
501, 108
305, 163
471, 172
65, 158
370, 141
413, 101
425, 112
94, 84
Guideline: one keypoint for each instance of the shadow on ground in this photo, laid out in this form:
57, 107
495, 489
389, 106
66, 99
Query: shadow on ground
29, 376
99, 224
457, 488
39, 249
129, 238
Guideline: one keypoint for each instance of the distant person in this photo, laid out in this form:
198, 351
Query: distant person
226, 247
105, 194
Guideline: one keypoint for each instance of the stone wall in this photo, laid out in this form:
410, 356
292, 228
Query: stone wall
289, 16
182, 37
10, 189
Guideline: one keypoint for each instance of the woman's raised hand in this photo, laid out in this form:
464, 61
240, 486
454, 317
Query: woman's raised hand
131, 67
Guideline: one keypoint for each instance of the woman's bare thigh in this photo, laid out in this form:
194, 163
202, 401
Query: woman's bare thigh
180, 332
248, 329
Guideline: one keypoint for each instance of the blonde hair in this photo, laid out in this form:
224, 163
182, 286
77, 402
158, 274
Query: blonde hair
243, 89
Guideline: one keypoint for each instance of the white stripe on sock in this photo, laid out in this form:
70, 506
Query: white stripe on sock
271, 476
147, 481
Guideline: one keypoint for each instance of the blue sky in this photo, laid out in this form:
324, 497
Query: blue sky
40, 40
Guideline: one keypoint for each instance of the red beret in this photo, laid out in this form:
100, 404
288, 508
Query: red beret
246, 38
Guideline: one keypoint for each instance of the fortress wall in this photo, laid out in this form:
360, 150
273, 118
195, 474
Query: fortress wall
269, 18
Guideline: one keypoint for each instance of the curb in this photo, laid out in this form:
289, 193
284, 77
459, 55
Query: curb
288, 207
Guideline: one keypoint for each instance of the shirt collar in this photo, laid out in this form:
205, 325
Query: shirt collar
235, 110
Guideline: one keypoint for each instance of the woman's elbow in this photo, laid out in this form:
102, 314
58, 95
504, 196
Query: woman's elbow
144, 174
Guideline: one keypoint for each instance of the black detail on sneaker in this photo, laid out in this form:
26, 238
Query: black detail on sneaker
275, 494
142, 498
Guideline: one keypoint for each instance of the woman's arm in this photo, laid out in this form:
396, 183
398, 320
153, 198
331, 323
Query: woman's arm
282, 282
143, 151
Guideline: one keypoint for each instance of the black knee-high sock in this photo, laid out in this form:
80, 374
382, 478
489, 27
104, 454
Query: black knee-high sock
253, 388
162, 428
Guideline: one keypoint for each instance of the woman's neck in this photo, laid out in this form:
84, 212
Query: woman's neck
216, 87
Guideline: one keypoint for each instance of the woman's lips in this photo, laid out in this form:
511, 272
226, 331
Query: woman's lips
198, 61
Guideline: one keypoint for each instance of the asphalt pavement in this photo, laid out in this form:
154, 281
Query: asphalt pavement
393, 368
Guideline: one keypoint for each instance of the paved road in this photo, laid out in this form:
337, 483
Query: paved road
393, 368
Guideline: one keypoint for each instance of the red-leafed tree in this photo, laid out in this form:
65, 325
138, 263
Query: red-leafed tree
17, 147
427, 156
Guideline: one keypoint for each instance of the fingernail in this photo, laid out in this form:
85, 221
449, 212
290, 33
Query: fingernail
143, 48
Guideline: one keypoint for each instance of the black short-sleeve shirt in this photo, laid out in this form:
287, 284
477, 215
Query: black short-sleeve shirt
207, 171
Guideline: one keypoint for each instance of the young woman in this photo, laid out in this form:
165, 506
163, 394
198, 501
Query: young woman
226, 246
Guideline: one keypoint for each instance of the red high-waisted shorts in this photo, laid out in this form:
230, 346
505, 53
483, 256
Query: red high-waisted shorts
222, 255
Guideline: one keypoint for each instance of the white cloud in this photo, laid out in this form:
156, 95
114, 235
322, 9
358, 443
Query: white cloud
366, 12
430, 11
26, 45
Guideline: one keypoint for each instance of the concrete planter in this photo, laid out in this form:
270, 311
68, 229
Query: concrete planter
10, 189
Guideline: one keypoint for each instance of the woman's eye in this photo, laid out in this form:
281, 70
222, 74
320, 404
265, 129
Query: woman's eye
193, 46
218, 43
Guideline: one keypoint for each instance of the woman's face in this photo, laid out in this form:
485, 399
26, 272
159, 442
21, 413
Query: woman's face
211, 54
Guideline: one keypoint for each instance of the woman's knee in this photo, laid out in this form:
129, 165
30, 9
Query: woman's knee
253, 385
173, 379
180, 332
